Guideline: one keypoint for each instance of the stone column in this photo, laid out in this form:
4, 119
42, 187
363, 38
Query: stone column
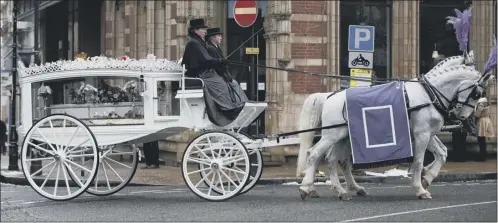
483, 23
405, 39
109, 27
333, 35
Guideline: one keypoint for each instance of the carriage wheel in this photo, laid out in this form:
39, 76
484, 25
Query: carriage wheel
56, 141
256, 159
224, 158
117, 166
256, 162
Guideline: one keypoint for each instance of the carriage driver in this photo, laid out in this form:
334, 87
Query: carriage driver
222, 103
213, 39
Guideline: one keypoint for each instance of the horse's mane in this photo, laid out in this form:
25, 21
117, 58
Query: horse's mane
460, 71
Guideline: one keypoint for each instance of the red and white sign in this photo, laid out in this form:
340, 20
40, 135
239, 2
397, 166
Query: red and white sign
245, 12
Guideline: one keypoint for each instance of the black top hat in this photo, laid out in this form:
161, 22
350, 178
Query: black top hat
197, 23
212, 32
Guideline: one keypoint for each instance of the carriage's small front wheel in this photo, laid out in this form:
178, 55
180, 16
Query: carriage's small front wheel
224, 161
53, 144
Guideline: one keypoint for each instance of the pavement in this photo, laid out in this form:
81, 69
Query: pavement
457, 201
167, 175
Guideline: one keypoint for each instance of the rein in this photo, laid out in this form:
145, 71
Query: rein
434, 94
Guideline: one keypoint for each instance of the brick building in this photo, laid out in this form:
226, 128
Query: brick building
302, 35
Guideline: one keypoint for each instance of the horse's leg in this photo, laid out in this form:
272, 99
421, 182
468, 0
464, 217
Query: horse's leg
432, 147
440, 152
334, 177
343, 148
421, 143
326, 142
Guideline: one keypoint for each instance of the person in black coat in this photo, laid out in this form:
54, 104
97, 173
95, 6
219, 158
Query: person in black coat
222, 108
3, 137
213, 39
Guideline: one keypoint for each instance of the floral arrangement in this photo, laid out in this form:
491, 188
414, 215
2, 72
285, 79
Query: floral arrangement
85, 94
44, 91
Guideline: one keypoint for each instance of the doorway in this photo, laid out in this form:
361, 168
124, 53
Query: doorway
435, 33
251, 79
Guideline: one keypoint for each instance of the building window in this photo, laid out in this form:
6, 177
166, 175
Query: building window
435, 34
372, 13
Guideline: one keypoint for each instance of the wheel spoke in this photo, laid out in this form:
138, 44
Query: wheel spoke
203, 178
197, 171
198, 161
233, 159
40, 148
230, 179
41, 169
71, 162
82, 155
110, 167
211, 184
236, 171
73, 173
57, 179
48, 176
38, 159
202, 152
221, 183
210, 147
46, 140
71, 140
106, 177
67, 183
78, 146
80, 151
53, 133
118, 163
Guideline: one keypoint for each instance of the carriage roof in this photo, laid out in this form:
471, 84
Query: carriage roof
99, 66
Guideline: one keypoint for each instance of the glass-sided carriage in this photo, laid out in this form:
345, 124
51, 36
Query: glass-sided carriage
81, 122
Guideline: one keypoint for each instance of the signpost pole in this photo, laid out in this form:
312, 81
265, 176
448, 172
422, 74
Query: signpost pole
13, 147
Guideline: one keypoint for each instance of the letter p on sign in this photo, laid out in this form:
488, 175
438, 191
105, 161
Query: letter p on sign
361, 38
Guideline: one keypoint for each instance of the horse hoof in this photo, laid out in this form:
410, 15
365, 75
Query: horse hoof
345, 197
303, 194
314, 194
362, 193
425, 196
425, 184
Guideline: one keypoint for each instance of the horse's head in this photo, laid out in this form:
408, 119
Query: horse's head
460, 87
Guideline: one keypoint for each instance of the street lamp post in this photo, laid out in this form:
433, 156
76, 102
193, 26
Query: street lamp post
13, 147
36, 165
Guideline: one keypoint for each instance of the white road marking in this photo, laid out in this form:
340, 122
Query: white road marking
421, 210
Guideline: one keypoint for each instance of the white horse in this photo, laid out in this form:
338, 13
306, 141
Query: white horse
311, 111
462, 83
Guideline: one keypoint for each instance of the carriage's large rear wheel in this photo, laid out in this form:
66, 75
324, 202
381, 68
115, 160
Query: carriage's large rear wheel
54, 143
223, 158
117, 166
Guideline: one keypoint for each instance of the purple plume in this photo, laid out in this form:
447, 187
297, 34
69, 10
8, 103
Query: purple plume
491, 62
461, 24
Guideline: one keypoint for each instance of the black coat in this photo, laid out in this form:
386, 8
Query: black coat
216, 52
223, 102
3, 132
196, 57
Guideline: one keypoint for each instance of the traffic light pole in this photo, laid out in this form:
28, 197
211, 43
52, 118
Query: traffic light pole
13, 147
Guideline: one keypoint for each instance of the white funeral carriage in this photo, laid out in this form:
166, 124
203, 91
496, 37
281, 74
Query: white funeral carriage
81, 122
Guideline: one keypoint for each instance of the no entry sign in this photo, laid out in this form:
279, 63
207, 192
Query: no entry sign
245, 12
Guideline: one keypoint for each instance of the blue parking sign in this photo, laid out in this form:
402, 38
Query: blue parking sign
361, 38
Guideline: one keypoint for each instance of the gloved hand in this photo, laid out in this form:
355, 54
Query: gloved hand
223, 61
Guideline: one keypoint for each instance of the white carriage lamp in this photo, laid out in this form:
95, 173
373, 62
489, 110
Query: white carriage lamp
141, 85
435, 53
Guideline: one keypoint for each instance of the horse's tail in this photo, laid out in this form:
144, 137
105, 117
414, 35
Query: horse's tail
310, 117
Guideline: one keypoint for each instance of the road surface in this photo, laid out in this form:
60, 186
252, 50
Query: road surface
465, 201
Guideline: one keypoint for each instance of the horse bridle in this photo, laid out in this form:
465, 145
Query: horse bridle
454, 105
